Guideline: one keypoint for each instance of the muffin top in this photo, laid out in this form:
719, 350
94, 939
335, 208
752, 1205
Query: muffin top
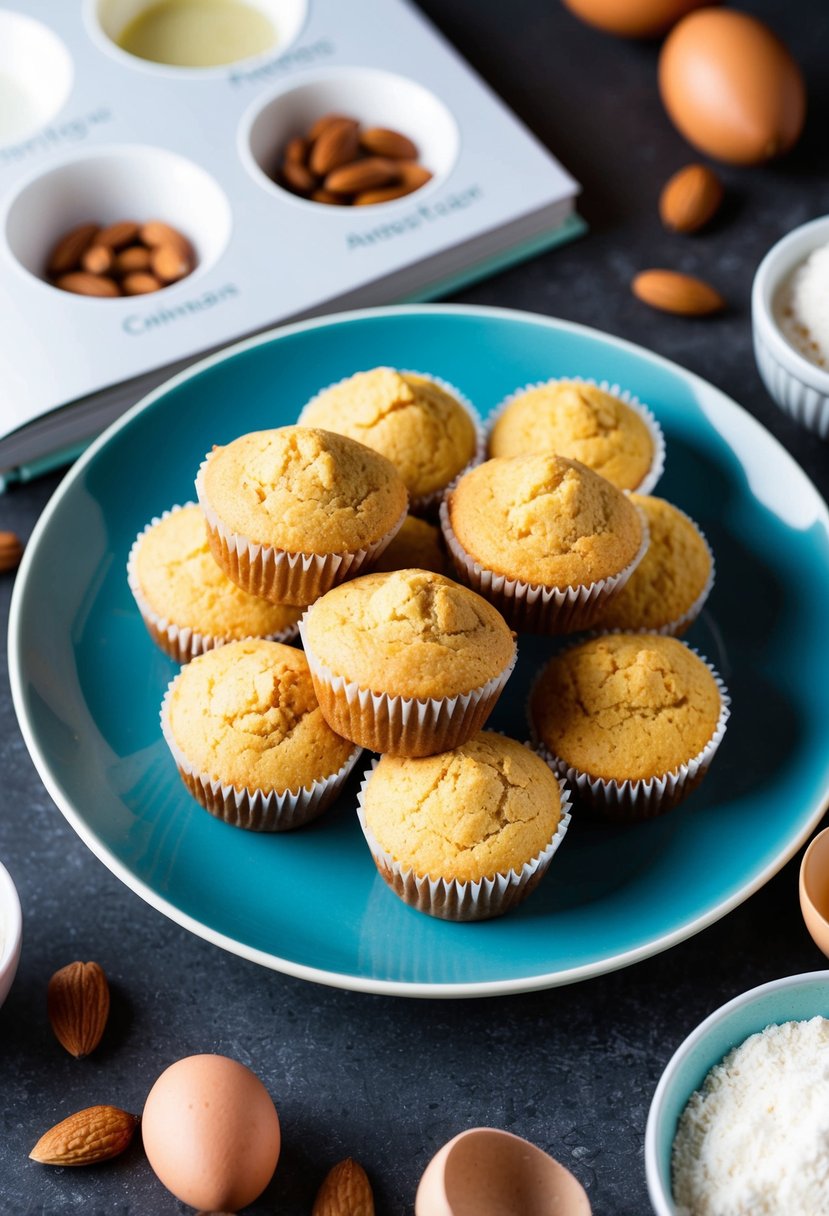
487, 807
580, 421
626, 706
247, 715
302, 490
409, 633
180, 581
424, 431
544, 520
417, 544
670, 577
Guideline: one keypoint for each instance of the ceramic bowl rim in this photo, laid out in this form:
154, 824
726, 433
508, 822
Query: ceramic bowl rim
12, 923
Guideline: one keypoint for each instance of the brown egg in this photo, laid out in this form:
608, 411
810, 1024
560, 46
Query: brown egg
211, 1133
731, 87
633, 18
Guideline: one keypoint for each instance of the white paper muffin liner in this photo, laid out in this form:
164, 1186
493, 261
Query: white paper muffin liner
401, 726
450, 899
630, 801
676, 628
427, 505
277, 575
645, 413
531, 607
254, 809
182, 642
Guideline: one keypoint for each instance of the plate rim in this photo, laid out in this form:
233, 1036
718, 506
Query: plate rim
338, 979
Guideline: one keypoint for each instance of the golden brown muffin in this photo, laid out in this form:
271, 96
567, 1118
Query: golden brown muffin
185, 597
485, 808
626, 707
665, 591
246, 715
427, 434
405, 635
581, 421
417, 546
297, 491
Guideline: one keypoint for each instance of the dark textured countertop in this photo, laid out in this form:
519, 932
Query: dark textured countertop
389, 1080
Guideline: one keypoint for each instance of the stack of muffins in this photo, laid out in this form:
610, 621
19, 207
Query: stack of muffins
307, 528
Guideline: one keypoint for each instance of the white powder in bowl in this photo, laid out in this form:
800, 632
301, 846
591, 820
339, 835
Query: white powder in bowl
802, 308
754, 1141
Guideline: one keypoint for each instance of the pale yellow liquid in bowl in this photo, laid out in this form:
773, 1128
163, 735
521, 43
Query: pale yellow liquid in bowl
198, 33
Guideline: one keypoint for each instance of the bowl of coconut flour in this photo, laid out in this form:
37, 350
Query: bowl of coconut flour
790, 323
739, 1123
11, 926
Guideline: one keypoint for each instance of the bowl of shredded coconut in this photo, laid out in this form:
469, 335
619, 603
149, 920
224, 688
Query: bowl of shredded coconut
739, 1123
790, 324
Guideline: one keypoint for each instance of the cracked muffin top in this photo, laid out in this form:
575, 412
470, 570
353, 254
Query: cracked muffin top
409, 633
626, 706
544, 520
302, 490
180, 581
421, 428
581, 421
487, 807
247, 715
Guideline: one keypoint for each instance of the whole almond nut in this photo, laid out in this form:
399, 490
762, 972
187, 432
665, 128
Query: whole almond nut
671, 291
338, 145
156, 233
117, 235
321, 123
298, 178
381, 141
71, 247
78, 1005
135, 257
11, 551
297, 149
140, 283
82, 283
368, 198
412, 174
98, 259
690, 198
325, 196
346, 1191
368, 174
87, 1137
168, 264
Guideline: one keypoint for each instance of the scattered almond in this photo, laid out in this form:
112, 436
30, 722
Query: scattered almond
362, 175
671, 291
690, 198
117, 235
87, 1137
338, 145
11, 551
380, 141
78, 1006
82, 283
346, 1191
71, 247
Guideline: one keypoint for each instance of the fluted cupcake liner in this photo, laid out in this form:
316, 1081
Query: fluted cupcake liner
450, 899
277, 575
255, 810
657, 467
631, 801
401, 726
427, 505
181, 642
533, 608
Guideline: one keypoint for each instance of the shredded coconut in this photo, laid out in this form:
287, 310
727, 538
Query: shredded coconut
803, 308
754, 1141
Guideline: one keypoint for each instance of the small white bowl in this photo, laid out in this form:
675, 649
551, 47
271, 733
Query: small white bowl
792, 999
11, 932
798, 386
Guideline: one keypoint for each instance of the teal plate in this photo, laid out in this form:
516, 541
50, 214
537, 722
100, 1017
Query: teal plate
87, 681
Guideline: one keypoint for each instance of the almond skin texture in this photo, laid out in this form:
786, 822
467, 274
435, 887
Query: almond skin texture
690, 199
338, 145
156, 233
380, 141
84, 284
413, 174
118, 235
69, 250
368, 198
87, 1137
300, 179
78, 1006
321, 124
346, 1191
168, 264
136, 257
140, 283
98, 259
11, 551
297, 149
368, 174
670, 291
